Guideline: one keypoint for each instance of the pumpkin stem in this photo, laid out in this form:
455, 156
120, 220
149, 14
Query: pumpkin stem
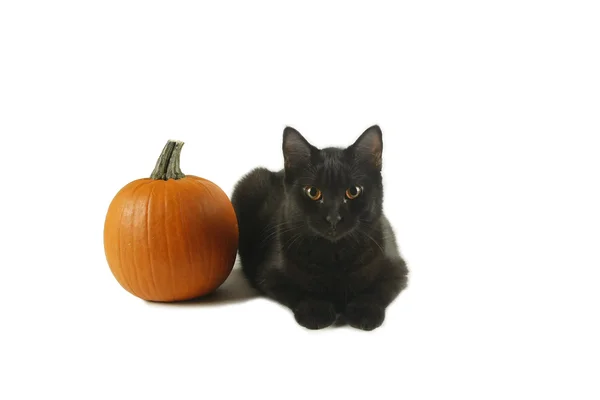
167, 166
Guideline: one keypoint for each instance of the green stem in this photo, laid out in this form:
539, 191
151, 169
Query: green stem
167, 165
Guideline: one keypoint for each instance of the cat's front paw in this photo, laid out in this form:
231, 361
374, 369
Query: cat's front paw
365, 316
315, 314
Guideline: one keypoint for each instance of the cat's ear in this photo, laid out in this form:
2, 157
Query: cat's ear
368, 148
296, 150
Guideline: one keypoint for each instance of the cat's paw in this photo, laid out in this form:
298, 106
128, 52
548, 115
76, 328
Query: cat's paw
315, 314
365, 316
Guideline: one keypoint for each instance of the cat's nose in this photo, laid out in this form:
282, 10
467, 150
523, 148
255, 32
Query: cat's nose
333, 219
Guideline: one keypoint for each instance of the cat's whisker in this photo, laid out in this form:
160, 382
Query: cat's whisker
291, 219
274, 227
355, 238
279, 232
292, 240
371, 238
279, 229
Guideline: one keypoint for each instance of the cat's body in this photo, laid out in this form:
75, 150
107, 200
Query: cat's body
313, 236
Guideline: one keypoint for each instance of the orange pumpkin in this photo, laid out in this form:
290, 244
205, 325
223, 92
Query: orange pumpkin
170, 237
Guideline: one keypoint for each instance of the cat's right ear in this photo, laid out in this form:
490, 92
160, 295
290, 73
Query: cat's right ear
368, 147
296, 150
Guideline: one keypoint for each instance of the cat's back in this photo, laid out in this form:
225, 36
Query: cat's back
256, 199
256, 190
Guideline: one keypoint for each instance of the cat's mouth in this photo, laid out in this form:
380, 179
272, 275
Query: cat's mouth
332, 235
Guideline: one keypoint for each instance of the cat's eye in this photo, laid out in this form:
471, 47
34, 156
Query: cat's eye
312, 192
353, 192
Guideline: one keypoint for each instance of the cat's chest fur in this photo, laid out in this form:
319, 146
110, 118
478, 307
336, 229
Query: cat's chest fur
335, 269
323, 256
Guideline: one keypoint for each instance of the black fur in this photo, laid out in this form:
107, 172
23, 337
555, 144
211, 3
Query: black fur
323, 257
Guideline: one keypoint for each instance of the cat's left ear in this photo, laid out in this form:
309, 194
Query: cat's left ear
297, 150
368, 148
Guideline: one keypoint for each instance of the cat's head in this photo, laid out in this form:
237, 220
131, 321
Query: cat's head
335, 191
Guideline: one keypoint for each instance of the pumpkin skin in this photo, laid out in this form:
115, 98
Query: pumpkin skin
170, 237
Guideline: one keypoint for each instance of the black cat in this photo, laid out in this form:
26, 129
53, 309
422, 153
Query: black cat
313, 236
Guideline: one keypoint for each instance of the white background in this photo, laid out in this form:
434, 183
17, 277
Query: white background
490, 113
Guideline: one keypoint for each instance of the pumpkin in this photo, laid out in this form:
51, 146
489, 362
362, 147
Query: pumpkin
170, 237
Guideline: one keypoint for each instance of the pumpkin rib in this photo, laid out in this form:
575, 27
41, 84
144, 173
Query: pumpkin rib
189, 250
125, 281
200, 239
196, 242
208, 187
210, 261
184, 244
169, 261
148, 237
142, 271
132, 238
197, 239
126, 278
209, 239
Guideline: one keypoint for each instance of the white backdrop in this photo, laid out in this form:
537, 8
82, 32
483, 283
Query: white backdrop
490, 115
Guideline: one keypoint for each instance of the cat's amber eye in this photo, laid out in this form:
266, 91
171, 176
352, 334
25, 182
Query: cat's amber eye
353, 192
312, 192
